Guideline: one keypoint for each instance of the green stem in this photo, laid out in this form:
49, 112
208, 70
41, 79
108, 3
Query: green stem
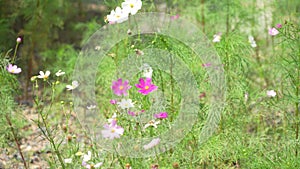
297, 116
16, 140
15, 53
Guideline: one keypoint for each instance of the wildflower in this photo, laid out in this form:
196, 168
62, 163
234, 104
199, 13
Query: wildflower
175, 17
112, 130
68, 160
152, 123
147, 70
273, 31
127, 166
129, 32
154, 166
59, 73
139, 52
19, 40
33, 78
202, 95
131, 113
279, 26
90, 107
161, 115
13, 69
91, 166
271, 93
97, 47
146, 86
132, 6
74, 85
43, 75
86, 158
217, 37
252, 41
125, 104
79, 153
113, 118
152, 143
117, 16
120, 88
206, 64
112, 101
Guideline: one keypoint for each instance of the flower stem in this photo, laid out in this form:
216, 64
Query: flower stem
15, 53
16, 140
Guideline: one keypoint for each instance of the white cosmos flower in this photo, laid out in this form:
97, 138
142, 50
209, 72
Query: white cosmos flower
271, 93
217, 37
147, 71
152, 143
90, 107
114, 117
59, 73
87, 157
152, 123
117, 16
132, 6
90, 166
125, 104
74, 85
68, 160
252, 41
43, 75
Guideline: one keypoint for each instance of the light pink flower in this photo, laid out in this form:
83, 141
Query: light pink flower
131, 113
161, 115
271, 93
112, 130
146, 86
120, 88
13, 69
273, 31
153, 143
112, 101
279, 26
175, 17
206, 64
19, 40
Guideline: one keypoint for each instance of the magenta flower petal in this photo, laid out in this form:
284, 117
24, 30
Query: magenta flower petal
161, 115
146, 87
120, 88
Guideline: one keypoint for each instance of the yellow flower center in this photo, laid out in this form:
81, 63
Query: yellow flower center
112, 130
146, 87
118, 16
121, 87
131, 5
13, 71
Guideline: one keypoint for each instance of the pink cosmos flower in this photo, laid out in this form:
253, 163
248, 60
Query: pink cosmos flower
146, 86
112, 130
112, 101
161, 115
273, 31
271, 93
175, 17
279, 26
131, 113
120, 88
13, 69
206, 64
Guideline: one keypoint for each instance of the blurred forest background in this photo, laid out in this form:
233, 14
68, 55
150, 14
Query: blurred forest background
53, 31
